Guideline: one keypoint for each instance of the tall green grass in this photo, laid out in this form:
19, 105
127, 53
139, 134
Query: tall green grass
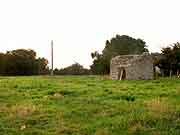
88, 105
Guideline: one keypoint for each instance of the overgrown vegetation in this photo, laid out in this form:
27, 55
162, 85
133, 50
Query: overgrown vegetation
88, 105
22, 62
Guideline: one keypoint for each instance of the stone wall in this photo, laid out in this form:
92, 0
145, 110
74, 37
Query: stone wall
137, 67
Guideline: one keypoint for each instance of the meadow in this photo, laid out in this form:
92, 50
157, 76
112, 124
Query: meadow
88, 105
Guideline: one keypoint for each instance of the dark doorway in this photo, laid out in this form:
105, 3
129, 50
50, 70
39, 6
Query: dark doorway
121, 73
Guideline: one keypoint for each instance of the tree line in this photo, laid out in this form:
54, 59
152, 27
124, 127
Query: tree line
22, 62
167, 61
25, 62
74, 69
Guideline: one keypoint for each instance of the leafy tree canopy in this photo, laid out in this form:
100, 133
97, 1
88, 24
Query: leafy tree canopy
170, 60
119, 45
22, 62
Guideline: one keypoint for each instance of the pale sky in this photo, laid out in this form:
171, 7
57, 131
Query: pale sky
79, 27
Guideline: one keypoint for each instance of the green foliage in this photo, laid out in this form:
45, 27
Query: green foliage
22, 62
170, 60
74, 69
119, 45
88, 105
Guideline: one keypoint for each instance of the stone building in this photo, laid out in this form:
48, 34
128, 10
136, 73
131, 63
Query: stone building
132, 67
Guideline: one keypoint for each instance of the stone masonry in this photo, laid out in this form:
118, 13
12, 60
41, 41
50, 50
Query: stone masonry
132, 67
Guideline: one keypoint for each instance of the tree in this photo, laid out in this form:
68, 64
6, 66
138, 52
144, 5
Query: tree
41, 66
170, 62
119, 45
74, 69
22, 62
2, 63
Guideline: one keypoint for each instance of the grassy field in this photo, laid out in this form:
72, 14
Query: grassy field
88, 105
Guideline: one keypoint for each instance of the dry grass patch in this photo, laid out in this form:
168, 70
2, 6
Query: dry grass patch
178, 90
156, 133
24, 110
19, 110
3, 108
136, 127
159, 106
102, 132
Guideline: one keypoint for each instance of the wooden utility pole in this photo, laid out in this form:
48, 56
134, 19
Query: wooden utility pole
52, 59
